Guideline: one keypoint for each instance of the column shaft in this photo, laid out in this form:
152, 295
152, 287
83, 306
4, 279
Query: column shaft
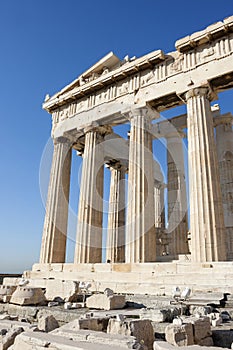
162, 205
224, 141
206, 211
141, 238
161, 234
116, 216
177, 202
53, 248
159, 204
90, 212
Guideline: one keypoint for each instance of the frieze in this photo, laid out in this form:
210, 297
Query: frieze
174, 63
147, 77
177, 65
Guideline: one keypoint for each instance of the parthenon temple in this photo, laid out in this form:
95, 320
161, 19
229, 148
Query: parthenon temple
146, 250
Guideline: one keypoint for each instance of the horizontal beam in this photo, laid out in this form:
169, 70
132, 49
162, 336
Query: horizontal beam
169, 126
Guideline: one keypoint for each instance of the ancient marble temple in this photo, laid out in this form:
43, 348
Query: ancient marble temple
136, 91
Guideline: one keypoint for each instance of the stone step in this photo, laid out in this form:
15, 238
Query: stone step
153, 287
150, 278
121, 278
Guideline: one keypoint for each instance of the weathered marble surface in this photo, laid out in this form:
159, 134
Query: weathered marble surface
135, 91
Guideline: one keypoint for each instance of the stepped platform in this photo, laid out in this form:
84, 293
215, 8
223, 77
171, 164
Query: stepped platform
145, 278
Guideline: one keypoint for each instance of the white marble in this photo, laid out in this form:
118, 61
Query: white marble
116, 215
53, 247
140, 234
90, 212
177, 200
224, 141
208, 236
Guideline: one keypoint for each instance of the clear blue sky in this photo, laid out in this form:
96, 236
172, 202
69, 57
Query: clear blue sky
46, 44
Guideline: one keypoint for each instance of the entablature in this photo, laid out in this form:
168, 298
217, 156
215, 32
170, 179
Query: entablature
156, 79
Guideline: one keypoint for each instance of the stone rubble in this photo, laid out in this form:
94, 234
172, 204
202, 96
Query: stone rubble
160, 315
90, 341
179, 335
6, 292
28, 296
200, 310
201, 328
142, 330
215, 319
105, 302
47, 323
199, 332
8, 339
132, 328
4, 317
69, 305
65, 290
162, 345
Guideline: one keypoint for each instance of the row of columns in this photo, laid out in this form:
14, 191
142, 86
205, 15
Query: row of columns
138, 245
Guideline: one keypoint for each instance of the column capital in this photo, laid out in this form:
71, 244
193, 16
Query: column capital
102, 130
79, 147
140, 110
116, 165
159, 184
61, 139
203, 91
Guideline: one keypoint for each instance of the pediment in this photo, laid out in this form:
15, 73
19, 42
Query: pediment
104, 65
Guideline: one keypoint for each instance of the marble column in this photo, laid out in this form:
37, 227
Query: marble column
206, 210
224, 141
89, 228
161, 233
159, 204
176, 195
53, 248
140, 235
116, 215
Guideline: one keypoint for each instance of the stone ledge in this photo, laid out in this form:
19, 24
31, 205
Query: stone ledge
29, 341
162, 345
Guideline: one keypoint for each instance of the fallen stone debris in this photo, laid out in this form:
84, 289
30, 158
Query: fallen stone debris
28, 296
80, 319
106, 301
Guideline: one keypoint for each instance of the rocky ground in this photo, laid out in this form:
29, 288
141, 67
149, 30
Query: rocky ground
111, 321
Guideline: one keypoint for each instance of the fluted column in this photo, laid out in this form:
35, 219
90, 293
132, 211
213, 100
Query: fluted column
206, 211
224, 141
176, 193
140, 236
53, 248
161, 234
89, 228
159, 204
116, 215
